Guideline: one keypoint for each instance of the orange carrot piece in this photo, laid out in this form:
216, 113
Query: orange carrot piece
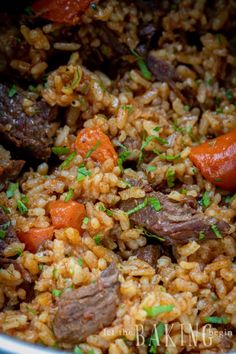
67, 214
92, 142
35, 237
216, 159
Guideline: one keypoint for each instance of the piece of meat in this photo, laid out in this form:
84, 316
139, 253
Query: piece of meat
165, 72
9, 234
175, 223
149, 254
34, 132
87, 310
10, 169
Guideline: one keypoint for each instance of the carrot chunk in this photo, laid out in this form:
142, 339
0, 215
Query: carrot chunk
35, 237
91, 142
216, 159
67, 214
61, 11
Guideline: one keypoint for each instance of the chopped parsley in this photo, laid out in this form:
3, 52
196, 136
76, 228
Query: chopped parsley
161, 140
82, 173
98, 239
215, 319
167, 157
229, 198
128, 108
69, 195
138, 207
2, 234
21, 207
11, 189
205, 201
216, 231
103, 208
229, 95
155, 338
94, 148
67, 162
156, 129
157, 310
201, 235
142, 65
56, 292
155, 203
5, 209
86, 220
149, 234
123, 157
77, 350
170, 177
80, 262
151, 168
12, 91
76, 78
60, 150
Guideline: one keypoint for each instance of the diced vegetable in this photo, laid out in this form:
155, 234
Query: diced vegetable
157, 310
60, 150
69, 194
155, 203
170, 177
12, 91
217, 162
67, 214
35, 237
216, 231
138, 207
82, 173
61, 11
11, 189
89, 138
216, 320
98, 239
56, 292
205, 201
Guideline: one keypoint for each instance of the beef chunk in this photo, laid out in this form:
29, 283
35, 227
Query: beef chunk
175, 222
149, 254
32, 133
8, 234
161, 70
10, 169
87, 310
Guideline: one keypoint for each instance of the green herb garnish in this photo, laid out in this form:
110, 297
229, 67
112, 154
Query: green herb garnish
201, 235
82, 173
155, 338
151, 168
21, 207
170, 177
142, 65
98, 239
86, 220
69, 195
60, 150
77, 350
128, 108
11, 189
138, 207
2, 234
157, 310
5, 209
205, 201
67, 162
94, 148
167, 157
76, 78
216, 231
12, 91
229, 198
80, 262
155, 203
123, 157
56, 292
215, 319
